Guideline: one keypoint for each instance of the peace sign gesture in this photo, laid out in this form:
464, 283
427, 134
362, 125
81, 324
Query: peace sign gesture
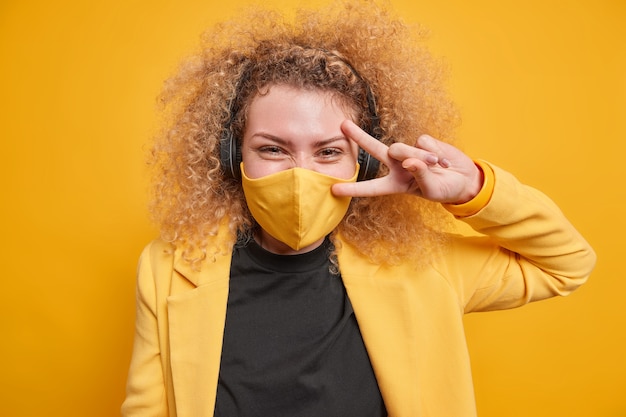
431, 169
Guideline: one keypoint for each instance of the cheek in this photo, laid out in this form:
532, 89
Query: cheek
251, 167
347, 171
355, 156
257, 167
346, 168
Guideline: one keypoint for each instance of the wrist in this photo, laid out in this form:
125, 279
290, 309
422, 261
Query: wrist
474, 187
479, 198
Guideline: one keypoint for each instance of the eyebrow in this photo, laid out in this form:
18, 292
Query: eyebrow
317, 144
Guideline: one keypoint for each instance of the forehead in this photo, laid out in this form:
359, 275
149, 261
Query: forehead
282, 104
287, 93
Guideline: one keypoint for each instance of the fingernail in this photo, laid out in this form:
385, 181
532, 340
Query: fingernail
431, 159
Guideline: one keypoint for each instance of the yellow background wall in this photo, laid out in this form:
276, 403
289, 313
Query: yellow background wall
542, 88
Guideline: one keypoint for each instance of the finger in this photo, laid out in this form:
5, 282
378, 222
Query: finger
403, 152
373, 146
370, 188
414, 165
430, 144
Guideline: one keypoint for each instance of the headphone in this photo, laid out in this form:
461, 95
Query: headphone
230, 152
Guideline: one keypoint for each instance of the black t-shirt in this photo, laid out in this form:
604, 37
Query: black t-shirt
292, 346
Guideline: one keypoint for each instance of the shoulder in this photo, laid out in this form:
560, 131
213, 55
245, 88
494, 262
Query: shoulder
170, 268
155, 253
155, 267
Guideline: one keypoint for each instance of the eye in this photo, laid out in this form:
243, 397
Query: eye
330, 153
271, 151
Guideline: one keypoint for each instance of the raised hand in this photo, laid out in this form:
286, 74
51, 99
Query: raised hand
431, 169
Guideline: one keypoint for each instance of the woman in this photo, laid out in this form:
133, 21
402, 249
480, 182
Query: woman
296, 275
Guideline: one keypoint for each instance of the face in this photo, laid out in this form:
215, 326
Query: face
290, 127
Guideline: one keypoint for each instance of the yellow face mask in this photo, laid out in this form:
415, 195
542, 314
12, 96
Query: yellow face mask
296, 206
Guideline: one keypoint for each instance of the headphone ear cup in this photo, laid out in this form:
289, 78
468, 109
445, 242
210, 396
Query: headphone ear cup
368, 166
230, 155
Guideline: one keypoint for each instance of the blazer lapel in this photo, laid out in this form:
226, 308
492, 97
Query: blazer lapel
382, 306
196, 329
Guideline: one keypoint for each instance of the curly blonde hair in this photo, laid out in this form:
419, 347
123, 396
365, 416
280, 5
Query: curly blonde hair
321, 49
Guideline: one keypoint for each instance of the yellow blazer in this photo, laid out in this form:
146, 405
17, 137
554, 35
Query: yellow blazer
410, 317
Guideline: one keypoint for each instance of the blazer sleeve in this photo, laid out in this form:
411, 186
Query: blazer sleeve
146, 391
529, 250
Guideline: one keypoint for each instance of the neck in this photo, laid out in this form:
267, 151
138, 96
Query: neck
273, 245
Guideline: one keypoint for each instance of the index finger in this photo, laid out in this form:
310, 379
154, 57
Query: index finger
369, 188
373, 146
